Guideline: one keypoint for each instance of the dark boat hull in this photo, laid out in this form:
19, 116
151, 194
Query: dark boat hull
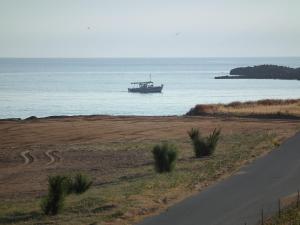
156, 89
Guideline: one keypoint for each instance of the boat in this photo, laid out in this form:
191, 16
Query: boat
145, 87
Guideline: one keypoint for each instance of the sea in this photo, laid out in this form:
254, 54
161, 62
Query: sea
58, 86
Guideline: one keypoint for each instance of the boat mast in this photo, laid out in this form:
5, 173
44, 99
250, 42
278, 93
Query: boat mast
150, 76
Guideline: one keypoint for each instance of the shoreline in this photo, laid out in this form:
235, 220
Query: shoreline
266, 110
99, 117
92, 116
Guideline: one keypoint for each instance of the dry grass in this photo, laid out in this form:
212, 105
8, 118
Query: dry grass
290, 213
263, 108
290, 216
116, 153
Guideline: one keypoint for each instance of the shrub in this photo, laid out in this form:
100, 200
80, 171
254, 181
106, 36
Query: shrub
194, 133
68, 185
61, 186
203, 110
80, 183
165, 157
204, 146
53, 203
212, 140
234, 104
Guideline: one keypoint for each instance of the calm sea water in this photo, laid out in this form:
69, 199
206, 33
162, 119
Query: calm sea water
45, 87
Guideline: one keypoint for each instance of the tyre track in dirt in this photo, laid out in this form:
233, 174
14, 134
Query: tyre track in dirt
28, 158
7, 174
53, 157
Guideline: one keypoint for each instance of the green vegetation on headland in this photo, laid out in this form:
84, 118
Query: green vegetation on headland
267, 109
264, 72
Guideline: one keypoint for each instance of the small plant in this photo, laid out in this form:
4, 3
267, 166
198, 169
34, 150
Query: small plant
194, 133
61, 186
204, 146
165, 157
81, 183
68, 185
275, 143
212, 140
53, 203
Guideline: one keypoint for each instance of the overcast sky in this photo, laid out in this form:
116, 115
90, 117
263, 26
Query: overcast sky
149, 28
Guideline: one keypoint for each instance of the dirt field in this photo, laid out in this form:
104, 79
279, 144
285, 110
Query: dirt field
114, 149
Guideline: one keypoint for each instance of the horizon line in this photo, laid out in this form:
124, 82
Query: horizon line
148, 57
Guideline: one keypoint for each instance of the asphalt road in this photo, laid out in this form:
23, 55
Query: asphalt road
240, 198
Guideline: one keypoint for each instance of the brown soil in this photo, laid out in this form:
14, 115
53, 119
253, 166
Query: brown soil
103, 146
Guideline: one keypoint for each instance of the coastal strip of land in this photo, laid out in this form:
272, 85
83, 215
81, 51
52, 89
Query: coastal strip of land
116, 152
264, 109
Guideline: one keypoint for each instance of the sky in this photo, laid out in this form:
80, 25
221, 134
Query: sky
149, 28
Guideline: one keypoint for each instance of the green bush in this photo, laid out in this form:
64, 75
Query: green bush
61, 186
204, 146
165, 157
53, 203
69, 184
81, 183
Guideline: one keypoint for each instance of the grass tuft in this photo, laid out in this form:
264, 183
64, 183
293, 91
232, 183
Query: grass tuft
61, 186
81, 183
165, 157
58, 188
204, 146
